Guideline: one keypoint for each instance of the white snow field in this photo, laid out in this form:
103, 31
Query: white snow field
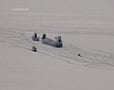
86, 27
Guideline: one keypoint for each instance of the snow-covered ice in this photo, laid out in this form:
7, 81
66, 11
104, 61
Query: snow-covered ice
86, 27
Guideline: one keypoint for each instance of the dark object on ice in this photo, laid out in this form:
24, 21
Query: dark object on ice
34, 49
79, 55
35, 37
44, 36
55, 43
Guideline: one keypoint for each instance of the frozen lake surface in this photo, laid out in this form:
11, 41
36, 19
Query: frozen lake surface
61, 67
92, 58
86, 27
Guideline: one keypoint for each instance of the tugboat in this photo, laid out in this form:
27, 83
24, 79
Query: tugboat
35, 37
34, 49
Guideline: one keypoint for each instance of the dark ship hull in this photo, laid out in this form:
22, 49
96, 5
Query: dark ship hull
51, 42
55, 43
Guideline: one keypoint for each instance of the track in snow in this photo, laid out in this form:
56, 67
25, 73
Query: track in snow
89, 58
